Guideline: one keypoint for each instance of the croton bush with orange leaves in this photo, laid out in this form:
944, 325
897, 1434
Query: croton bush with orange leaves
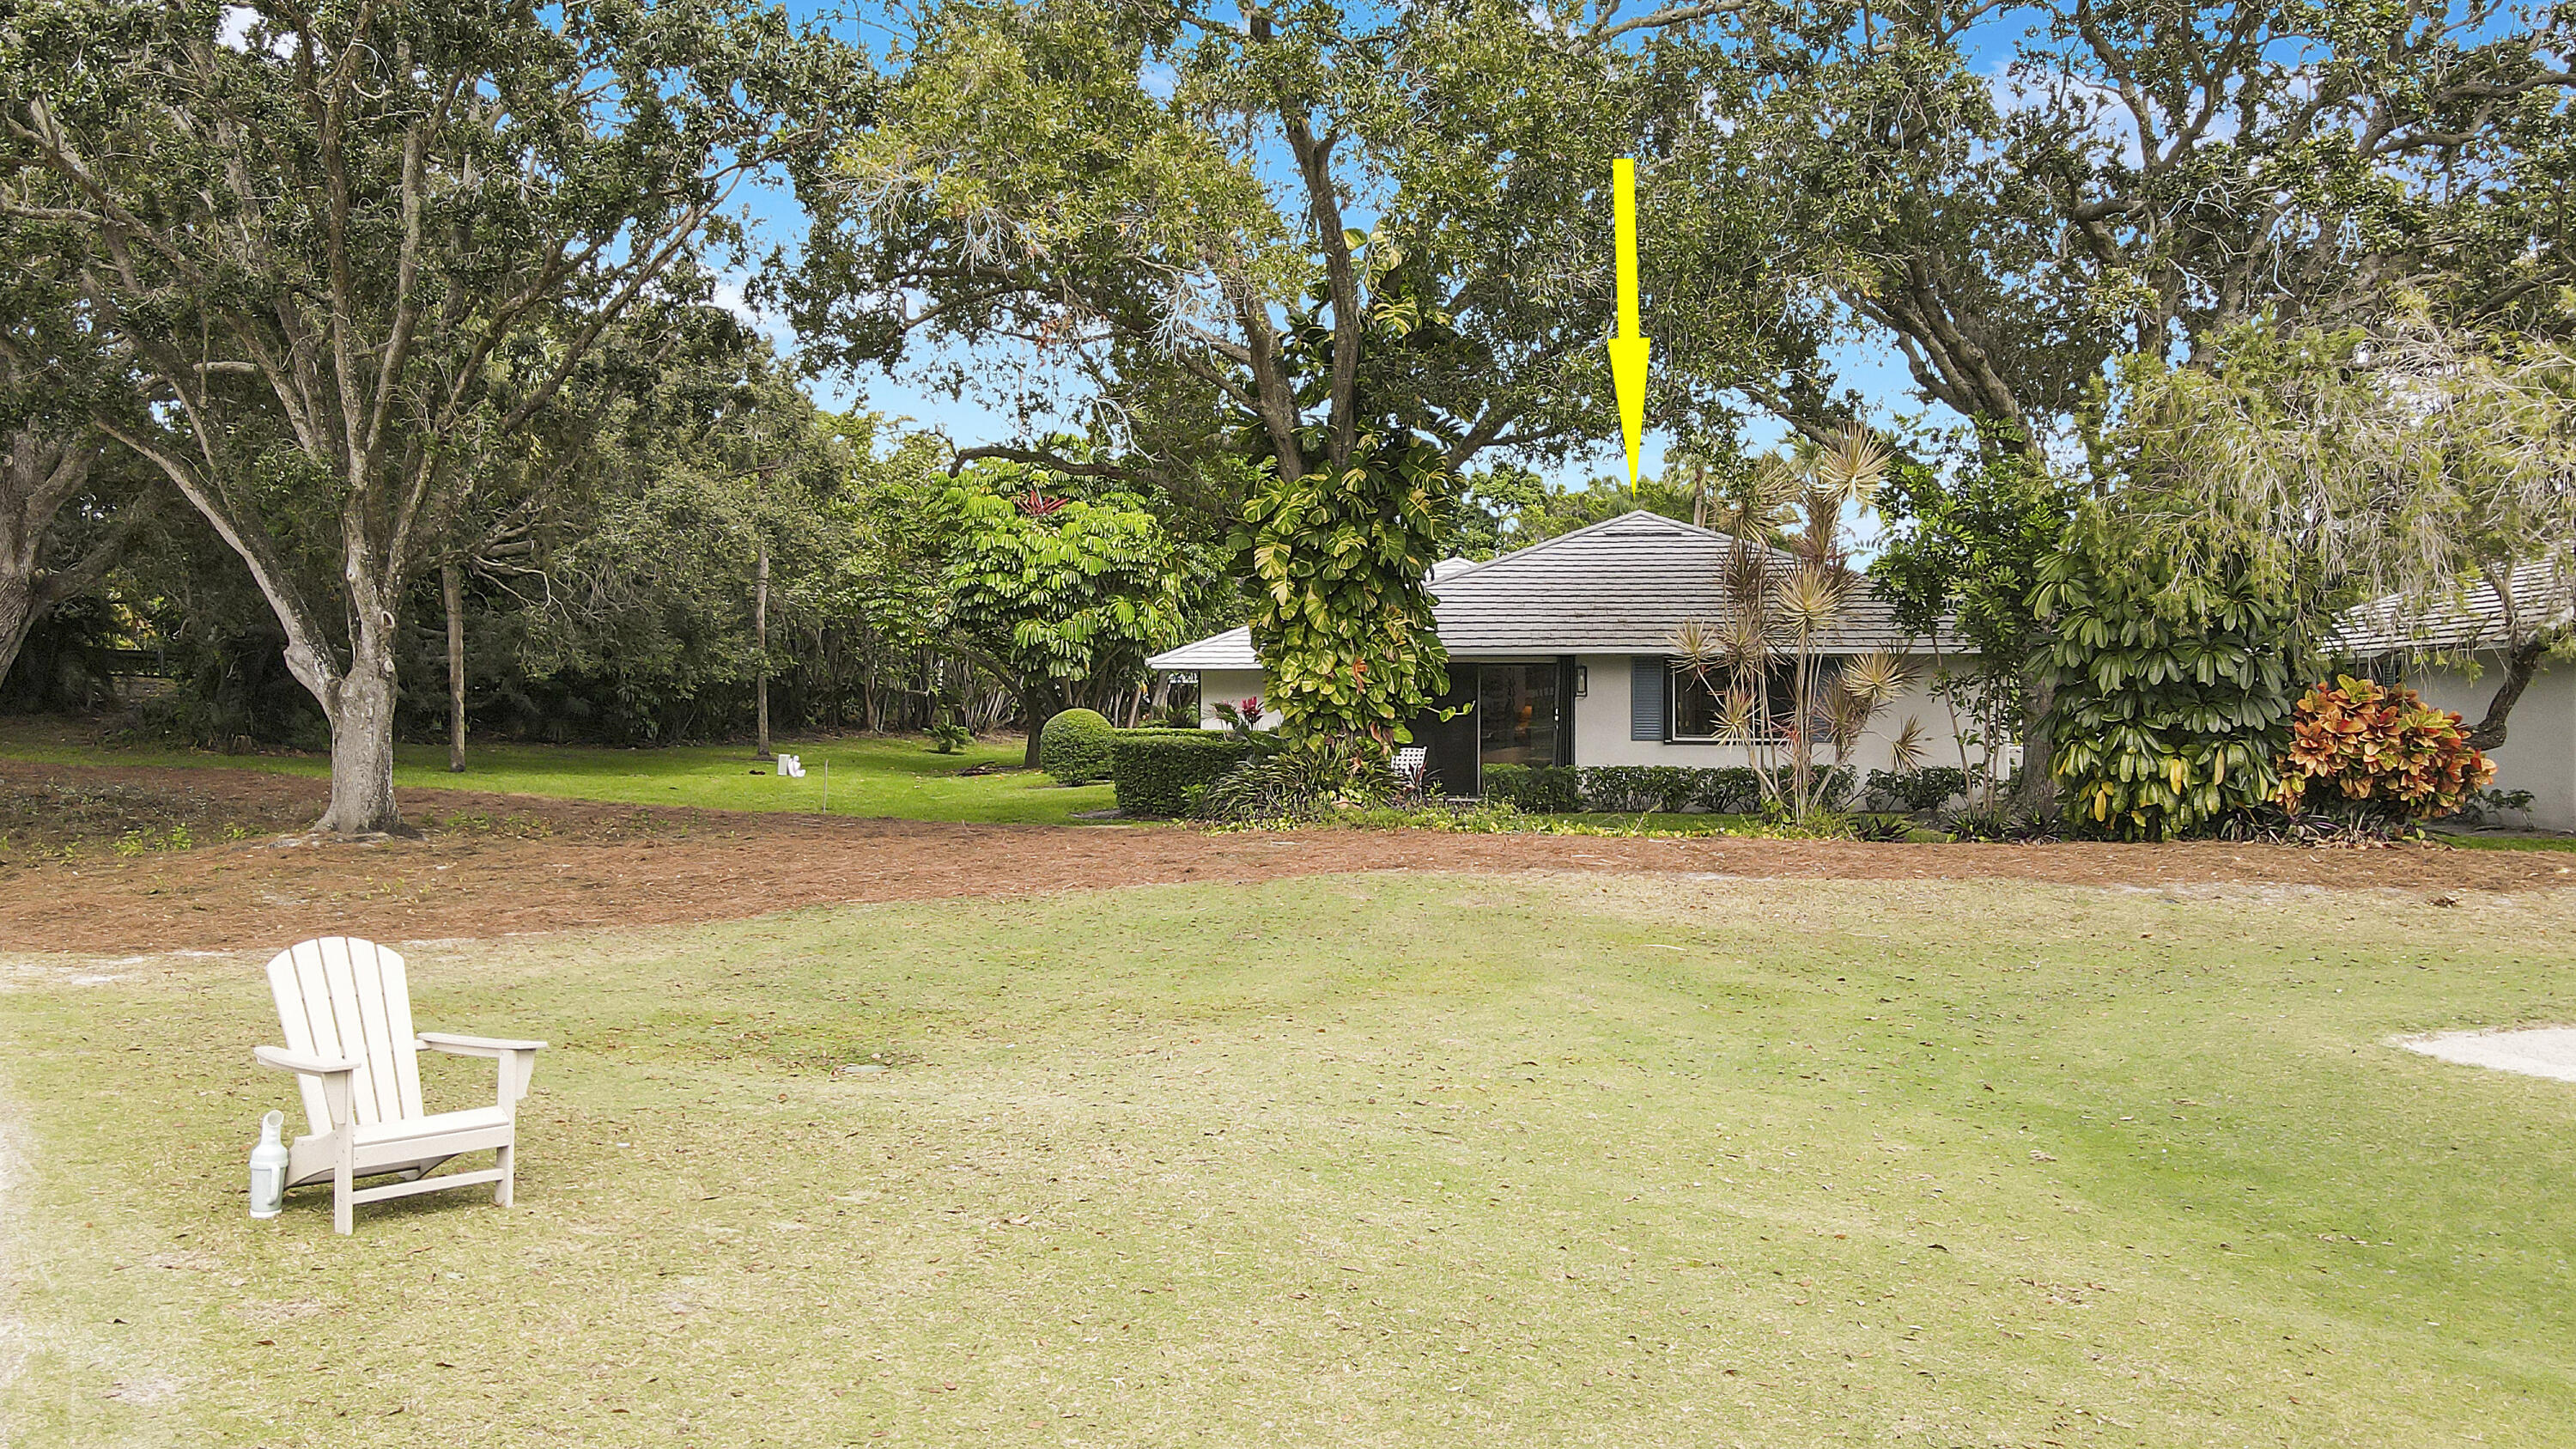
2377, 751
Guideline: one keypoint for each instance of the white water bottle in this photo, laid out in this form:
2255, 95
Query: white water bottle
268, 1168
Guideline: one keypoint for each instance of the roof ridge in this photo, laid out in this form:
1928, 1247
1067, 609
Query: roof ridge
1525, 550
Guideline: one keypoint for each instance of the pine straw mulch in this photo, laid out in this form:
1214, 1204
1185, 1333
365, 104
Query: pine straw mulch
89, 862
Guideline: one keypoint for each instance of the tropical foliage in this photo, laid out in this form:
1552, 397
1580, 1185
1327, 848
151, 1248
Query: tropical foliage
350, 350
2171, 687
2378, 752
1784, 604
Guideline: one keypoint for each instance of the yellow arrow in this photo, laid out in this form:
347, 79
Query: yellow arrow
1628, 350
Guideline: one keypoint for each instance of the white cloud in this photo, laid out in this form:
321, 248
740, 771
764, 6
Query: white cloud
729, 295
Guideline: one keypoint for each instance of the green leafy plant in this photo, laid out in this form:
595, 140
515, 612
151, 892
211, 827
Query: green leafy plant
1633, 788
1075, 746
1162, 772
2481, 807
1537, 789
1729, 790
1323, 777
1241, 718
1078, 594
2378, 755
1339, 539
2171, 687
948, 737
1920, 791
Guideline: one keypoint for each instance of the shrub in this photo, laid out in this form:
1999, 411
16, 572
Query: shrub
2486, 806
1731, 790
1074, 746
1157, 771
1916, 792
2172, 685
1634, 788
1538, 789
1307, 781
2385, 752
948, 737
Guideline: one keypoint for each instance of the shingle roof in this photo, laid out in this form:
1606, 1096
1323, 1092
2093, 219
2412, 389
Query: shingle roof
2544, 596
1622, 586
1229, 650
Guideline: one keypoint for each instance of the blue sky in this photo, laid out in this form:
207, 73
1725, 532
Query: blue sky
1873, 368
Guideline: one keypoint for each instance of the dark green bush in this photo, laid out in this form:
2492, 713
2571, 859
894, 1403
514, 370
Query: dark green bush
1156, 770
1074, 746
1731, 790
1630, 788
1539, 789
1917, 792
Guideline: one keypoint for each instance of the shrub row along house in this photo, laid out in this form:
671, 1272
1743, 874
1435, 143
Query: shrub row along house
1564, 653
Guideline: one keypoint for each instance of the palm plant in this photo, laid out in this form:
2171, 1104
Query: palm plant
1787, 581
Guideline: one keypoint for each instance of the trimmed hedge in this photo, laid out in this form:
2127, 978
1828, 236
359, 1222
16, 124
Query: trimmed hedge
1074, 746
1157, 771
1917, 792
1634, 789
1539, 789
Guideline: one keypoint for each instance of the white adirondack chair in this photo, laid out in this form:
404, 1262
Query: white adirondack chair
346, 1009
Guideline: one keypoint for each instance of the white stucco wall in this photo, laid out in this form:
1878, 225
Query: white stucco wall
2539, 750
1601, 726
1230, 686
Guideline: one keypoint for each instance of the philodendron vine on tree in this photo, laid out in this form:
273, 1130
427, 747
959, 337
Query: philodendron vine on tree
1340, 548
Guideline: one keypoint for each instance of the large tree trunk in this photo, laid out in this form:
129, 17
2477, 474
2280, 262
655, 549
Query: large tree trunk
17, 613
2519, 667
360, 705
2036, 795
451, 588
1042, 701
38, 475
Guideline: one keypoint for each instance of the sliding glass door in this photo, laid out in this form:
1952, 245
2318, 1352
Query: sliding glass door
1518, 714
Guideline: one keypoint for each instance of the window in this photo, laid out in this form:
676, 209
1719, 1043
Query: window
1698, 702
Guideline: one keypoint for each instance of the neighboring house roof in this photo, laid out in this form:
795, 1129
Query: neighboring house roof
2542, 593
1622, 586
1229, 650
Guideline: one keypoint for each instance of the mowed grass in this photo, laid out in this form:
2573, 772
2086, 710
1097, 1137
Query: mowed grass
884, 775
1369, 1160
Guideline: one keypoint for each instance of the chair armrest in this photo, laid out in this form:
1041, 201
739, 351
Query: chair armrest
475, 1046
513, 1062
287, 1061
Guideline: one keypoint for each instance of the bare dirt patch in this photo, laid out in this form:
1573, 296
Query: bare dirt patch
490, 864
2539, 1051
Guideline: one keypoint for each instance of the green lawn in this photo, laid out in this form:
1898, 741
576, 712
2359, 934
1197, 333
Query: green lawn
2468, 841
1381, 1160
895, 775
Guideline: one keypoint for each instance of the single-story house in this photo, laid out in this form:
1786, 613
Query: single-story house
2456, 660
1562, 653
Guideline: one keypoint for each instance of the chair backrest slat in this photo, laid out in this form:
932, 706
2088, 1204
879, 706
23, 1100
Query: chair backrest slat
344, 997
287, 972
398, 1033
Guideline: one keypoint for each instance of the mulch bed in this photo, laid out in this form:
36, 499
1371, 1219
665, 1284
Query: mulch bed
491, 864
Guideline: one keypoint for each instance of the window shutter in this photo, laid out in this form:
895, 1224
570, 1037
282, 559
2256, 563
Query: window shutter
1646, 697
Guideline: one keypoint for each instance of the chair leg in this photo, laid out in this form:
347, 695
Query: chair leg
504, 1158
343, 1212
